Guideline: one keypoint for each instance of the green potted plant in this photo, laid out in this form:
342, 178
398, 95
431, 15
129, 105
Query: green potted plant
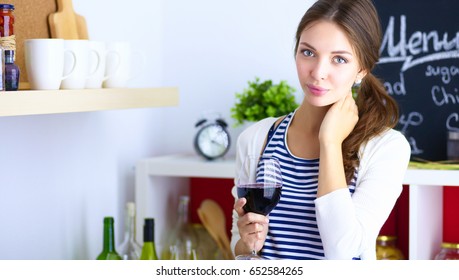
263, 99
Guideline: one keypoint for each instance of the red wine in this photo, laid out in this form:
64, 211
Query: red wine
261, 198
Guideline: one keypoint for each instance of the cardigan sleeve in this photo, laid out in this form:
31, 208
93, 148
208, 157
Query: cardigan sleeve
349, 225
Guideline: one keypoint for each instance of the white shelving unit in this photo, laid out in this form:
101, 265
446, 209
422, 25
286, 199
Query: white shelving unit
160, 179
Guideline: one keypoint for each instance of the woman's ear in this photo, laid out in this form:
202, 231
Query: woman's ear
361, 74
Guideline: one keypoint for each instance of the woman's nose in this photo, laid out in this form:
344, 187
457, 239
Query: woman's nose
320, 69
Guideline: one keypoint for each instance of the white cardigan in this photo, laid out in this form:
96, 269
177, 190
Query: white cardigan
348, 225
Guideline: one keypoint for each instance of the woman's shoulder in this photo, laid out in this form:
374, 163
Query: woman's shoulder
390, 141
388, 136
252, 138
260, 126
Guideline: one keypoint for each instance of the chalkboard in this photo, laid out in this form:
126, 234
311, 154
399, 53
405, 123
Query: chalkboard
419, 65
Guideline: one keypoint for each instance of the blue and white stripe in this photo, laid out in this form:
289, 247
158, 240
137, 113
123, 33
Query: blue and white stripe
293, 232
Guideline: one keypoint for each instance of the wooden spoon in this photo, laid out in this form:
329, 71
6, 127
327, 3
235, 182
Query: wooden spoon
213, 219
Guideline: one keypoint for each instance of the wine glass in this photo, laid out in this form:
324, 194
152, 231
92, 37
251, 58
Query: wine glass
260, 182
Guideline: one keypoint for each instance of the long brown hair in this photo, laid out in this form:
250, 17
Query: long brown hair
377, 110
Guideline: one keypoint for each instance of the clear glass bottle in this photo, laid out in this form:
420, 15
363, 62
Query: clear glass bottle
109, 251
11, 72
129, 249
183, 241
386, 248
449, 251
208, 248
149, 247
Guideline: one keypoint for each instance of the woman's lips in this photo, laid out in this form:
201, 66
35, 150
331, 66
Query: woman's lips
317, 91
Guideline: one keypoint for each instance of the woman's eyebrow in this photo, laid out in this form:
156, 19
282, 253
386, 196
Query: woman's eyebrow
334, 52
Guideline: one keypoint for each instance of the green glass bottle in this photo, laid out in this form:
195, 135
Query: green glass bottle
109, 252
149, 248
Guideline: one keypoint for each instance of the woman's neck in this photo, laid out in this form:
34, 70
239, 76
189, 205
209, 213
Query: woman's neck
309, 118
303, 132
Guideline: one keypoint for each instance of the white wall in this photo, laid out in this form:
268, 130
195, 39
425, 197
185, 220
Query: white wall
61, 174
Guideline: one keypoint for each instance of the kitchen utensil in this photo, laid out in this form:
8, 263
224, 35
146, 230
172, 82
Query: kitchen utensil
213, 219
65, 23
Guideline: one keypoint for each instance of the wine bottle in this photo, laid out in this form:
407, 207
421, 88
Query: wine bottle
182, 243
149, 248
129, 249
108, 251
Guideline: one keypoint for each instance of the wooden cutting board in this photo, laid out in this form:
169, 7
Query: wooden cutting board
66, 24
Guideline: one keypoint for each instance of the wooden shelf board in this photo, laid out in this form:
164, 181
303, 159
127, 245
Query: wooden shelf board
36, 102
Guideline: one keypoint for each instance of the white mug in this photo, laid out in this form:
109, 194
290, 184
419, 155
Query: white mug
44, 59
119, 64
82, 51
97, 64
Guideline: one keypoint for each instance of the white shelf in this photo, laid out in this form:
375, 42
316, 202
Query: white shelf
36, 102
181, 165
189, 166
432, 177
425, 207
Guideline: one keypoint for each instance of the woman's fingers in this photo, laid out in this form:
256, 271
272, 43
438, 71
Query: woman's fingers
253, 229
238, 206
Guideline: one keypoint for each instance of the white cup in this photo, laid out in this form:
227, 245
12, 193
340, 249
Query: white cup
119, 64
97, 64
44, 59
82, 50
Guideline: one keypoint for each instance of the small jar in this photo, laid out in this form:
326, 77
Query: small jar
6, 20
452, 147
386, 248
11, 72
449, 251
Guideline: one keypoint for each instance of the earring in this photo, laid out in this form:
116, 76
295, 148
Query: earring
355, 88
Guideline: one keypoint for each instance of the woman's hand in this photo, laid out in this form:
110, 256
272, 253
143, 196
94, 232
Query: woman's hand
252, 229
339, 121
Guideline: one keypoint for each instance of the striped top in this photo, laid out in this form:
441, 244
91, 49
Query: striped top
293, 232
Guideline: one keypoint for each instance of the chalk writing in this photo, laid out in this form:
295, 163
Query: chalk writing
413, 119
445, 72
419, 66
398, 88
419, 43
452, 122
441, 97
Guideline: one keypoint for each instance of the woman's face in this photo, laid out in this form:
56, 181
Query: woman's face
326, 63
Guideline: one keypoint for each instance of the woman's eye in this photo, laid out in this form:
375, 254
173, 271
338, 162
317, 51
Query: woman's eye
340, 60
308, 53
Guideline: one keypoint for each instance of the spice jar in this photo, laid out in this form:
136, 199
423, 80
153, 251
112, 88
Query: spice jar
453, 145
6, 20
449, 251
386, 248
7, 37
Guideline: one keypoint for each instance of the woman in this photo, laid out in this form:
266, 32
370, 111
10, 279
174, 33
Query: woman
342, 161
